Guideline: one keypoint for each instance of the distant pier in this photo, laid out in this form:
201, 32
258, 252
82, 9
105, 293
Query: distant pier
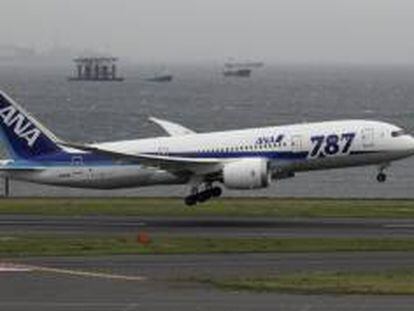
96, 69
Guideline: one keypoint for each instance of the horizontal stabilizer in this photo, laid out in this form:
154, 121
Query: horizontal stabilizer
20, 169
12, 166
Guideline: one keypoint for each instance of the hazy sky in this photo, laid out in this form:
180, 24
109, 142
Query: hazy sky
380, 31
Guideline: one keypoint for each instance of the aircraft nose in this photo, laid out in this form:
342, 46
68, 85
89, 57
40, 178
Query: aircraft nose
410, 143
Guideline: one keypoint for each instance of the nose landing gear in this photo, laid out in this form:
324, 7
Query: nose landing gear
203, 196
381, 176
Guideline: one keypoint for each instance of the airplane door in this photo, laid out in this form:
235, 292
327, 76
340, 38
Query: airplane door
367, 136
296, 143
77, 161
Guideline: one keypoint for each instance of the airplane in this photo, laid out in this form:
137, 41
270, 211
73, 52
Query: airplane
239, 159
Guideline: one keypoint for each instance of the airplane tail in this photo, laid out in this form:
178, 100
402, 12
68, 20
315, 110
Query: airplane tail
24, 136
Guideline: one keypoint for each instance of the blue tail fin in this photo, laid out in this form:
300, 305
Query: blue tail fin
24, 136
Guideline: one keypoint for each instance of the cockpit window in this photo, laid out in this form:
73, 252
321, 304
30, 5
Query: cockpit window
397, 133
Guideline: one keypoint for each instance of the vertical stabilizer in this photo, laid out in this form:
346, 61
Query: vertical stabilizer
24, 136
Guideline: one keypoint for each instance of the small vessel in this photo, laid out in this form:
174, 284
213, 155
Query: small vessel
161, 78
240, 68
247, 64
160, 75
237, 72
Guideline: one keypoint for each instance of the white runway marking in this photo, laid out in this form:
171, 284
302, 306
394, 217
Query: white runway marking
11, 267
90, 274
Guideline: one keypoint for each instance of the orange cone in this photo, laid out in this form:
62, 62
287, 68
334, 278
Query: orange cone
143, 238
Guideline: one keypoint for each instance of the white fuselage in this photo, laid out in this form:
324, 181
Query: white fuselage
291, 148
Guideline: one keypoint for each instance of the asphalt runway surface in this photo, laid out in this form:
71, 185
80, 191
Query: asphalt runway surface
211, 226
39, 291
163, 282
173, 267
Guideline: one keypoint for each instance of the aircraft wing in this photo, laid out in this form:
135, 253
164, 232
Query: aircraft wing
168, 163
173, 129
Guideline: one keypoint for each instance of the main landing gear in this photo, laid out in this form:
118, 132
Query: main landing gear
200, 197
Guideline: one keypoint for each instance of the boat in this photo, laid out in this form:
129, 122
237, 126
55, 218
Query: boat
240, 72
160, 78
247, 64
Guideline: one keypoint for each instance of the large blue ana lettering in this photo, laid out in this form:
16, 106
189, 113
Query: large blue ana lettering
22, 127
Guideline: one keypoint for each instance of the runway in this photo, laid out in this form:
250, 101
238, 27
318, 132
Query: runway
172, 267
42, 292
166, 282
212, 226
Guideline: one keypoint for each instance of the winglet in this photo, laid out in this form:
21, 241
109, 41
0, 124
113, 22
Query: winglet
173, 129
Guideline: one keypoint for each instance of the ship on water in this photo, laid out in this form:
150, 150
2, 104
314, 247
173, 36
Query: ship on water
160, 78
247, 64
237, 72
162, 75
240, 69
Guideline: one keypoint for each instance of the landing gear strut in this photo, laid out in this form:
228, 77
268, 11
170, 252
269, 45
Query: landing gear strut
205, 195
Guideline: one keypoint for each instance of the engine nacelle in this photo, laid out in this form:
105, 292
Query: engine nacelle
250, 173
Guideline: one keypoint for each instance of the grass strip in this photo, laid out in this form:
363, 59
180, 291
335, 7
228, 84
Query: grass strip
231, 207
393, 282
68, 245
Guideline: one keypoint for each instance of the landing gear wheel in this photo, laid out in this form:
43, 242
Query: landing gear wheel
216, 192
381, 177
191, 200
204, 196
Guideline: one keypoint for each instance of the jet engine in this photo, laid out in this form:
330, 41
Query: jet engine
252, 173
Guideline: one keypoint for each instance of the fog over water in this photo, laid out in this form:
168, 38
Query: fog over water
276, 31
202, 99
